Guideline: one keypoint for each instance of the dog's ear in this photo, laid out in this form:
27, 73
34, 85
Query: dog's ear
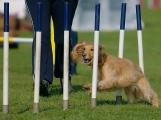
102, 55
77, 51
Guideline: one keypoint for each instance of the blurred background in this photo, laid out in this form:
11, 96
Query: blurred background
21, 24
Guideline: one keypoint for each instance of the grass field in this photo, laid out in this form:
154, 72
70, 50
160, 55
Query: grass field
21, 92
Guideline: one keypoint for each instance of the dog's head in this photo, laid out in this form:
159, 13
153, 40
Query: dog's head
86, 52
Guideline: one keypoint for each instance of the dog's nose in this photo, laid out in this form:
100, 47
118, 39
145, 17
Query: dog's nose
84, 55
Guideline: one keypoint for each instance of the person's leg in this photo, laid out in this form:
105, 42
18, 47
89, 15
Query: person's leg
73, 6
74, 40
57, 11
58, 18
73, 35
46, 66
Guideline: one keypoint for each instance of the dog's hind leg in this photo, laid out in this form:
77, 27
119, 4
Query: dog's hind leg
130, 95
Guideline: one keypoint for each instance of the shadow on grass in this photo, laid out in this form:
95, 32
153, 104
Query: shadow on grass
24, 110
113, 102
110, 102
46, 109
143, 103
77, 88
56, 90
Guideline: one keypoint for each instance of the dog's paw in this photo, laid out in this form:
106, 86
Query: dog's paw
87, 87
79, 49
100, 86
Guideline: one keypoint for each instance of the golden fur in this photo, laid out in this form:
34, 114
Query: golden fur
115, 73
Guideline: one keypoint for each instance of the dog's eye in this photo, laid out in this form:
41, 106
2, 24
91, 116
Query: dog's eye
83, 49
91, 49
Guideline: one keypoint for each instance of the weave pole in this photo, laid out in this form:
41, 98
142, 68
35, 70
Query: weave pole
37, 58
66, 57
6, 57
139, 35
96, 50
121, 45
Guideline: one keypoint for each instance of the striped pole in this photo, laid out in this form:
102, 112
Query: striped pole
96, 50
121, 44
66, 57
139, 35
37, 58
5, 57
18, 40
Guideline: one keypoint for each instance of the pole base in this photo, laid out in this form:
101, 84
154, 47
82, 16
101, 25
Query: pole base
65, 104
36, 107
5, 108
93, 102
118, 100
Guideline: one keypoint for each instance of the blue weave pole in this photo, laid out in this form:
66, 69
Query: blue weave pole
6, 58
39, 16
123, 16
139, 34
122, 29
97, 17
121, 44
138, 17
37, 57
66, 57
6, 17
66, 16
95, 58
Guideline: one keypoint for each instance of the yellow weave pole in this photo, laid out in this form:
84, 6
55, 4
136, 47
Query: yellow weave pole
52, 41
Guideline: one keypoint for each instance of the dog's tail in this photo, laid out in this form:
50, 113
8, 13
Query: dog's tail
154, 99
149, 94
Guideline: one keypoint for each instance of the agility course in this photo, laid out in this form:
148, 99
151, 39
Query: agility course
81, 99
121, 40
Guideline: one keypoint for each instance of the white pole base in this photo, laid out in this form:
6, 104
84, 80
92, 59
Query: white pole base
93, 102
5, 109
118, 100
65, 104
35, 107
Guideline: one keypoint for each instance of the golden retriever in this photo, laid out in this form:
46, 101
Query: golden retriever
116, 73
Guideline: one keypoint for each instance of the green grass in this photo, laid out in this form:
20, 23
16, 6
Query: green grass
21, 92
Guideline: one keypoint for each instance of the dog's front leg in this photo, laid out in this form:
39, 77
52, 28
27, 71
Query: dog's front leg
105, 85
88, 87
